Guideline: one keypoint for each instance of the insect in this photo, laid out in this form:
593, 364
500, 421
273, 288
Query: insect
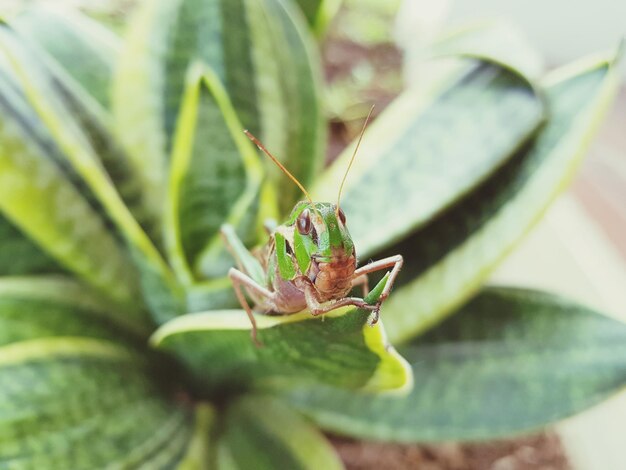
309, 262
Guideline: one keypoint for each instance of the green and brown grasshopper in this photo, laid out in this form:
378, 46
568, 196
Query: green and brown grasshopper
309, 262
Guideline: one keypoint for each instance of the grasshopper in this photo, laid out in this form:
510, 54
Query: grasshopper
309, 262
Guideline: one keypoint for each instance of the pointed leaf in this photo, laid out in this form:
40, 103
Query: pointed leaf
448, 260
215, 178
319, 13
510, 361
42, 198
425, 153
162, 292
266, 63
84, 48
495, 40
340, 349
75, 403
38, 307
261, 433
19, 255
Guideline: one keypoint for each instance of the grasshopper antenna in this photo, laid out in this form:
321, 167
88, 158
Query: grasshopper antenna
262, 148
356, 149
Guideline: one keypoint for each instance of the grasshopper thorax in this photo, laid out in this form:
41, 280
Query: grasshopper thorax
322, 247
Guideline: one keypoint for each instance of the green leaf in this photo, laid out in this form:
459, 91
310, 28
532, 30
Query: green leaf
45, 306
266, 63
84, 48
425, 153
448, 260
261, 433
78, 403
319, 13
510, 361
19, 255
79, 159
41, 197
339, 349
215, 178
72, 85
201, 452
494, 40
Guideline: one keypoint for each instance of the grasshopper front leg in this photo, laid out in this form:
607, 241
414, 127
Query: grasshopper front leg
240, 279
396, 261
250, 276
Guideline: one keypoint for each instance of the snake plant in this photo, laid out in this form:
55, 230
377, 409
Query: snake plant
121, 344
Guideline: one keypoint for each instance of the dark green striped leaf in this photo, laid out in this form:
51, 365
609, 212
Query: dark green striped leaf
261, 433
77, 403
73, 92
260, 51
447, 261
77, 157
510, 361
39, 307
82, 46
425, 153
42, 197
19, 255
340, 349
215, 178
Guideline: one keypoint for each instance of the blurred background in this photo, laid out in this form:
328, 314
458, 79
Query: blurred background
372, 50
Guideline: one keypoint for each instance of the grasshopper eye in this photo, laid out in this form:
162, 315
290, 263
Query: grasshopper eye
342, 216
304, 222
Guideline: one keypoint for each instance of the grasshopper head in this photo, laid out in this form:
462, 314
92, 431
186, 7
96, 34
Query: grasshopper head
320, 233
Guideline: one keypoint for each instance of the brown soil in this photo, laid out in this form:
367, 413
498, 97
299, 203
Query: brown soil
543, 452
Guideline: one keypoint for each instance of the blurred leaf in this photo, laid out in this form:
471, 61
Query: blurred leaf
79, 403
510, 361
201, 452
45, 306
84, 48
88, 113
80, 160
215, 178
319, 13
42, 197
494, 40
447, 261
422, 155
261, 433
339, 349
267, 64
19, 255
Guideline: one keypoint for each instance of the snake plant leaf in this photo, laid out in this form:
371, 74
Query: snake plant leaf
339, 349
493, 40
511, 361
201, 451
86, 49
94, 120
319, 13
423, 154
267, 64
260, 432
86, 403
447, 261
19, 255
162, 292
45, 306
42, 199
215, 178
